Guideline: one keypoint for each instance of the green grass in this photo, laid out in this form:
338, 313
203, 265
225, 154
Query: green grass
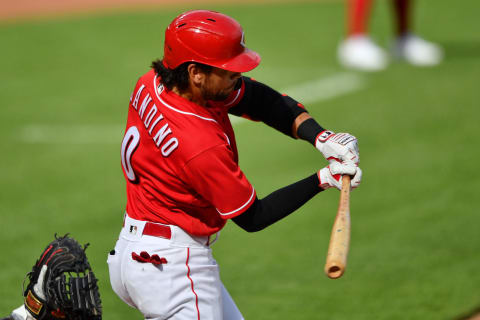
415, 241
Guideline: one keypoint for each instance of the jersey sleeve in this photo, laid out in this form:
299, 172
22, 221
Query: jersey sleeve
218, 179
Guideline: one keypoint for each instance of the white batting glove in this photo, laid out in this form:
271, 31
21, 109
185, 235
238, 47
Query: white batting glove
20, 314
341, 147
330, 176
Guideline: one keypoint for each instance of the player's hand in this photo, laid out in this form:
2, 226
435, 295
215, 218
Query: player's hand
330, 176
341, 147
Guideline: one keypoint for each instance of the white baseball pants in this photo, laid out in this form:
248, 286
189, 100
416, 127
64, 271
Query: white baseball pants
185, 285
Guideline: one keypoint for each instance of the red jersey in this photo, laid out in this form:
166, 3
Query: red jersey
180, 160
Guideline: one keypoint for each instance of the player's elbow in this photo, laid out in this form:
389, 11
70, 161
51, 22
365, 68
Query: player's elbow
251, 229
247, 224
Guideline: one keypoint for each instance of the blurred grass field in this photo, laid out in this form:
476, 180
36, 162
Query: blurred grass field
415, 251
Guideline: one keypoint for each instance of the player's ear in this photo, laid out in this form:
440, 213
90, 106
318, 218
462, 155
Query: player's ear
196, 75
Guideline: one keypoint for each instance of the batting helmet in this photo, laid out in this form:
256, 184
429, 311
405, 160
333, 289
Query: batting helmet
208, 37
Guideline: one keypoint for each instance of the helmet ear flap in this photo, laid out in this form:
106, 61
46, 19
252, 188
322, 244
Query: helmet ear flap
210, 38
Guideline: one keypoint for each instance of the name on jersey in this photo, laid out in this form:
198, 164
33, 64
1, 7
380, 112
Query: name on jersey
157, 127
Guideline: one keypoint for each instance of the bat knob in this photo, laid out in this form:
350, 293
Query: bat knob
334, 269
334, 272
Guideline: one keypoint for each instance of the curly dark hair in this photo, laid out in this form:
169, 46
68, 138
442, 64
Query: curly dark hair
177, 77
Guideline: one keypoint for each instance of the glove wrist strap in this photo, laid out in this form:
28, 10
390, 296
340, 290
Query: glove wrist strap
35, 305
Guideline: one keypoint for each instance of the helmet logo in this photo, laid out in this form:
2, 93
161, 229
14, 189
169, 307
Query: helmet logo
242, 41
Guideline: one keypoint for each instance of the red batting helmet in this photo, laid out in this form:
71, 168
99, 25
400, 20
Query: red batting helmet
208, 37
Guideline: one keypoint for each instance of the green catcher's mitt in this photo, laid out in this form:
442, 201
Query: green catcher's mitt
62, 284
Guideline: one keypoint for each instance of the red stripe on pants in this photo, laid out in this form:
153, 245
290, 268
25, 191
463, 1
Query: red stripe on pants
191, 281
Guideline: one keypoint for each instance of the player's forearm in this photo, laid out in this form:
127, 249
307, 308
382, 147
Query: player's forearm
306, 128
278, 204
301, 118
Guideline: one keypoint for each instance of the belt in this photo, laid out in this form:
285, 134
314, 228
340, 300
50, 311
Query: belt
150, 228
133, 229
157, 230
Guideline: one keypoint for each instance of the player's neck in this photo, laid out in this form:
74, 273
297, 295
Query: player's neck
192, 94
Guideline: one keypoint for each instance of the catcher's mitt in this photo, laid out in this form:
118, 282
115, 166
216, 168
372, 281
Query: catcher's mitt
62, 284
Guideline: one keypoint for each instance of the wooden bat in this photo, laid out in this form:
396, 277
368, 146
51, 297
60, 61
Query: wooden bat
340, 237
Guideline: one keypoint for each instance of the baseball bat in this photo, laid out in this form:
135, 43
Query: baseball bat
340, 236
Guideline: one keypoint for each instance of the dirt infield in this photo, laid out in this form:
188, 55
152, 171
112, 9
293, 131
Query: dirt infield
12, 10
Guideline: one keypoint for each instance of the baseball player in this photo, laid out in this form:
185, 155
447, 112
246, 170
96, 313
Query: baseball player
180, 162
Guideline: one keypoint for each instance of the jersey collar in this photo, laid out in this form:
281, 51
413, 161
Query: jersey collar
179, 104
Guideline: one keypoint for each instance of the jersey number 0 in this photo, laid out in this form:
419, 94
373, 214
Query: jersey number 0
129, 145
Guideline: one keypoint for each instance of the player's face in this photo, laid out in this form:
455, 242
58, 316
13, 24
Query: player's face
219, 84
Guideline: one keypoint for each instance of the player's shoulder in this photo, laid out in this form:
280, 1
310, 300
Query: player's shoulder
206, 136
162, 113
147, 77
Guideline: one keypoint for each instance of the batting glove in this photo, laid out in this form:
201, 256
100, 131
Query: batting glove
20, 314
341, 147
330, 176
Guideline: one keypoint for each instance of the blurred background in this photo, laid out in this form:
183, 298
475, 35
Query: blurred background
66, 74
